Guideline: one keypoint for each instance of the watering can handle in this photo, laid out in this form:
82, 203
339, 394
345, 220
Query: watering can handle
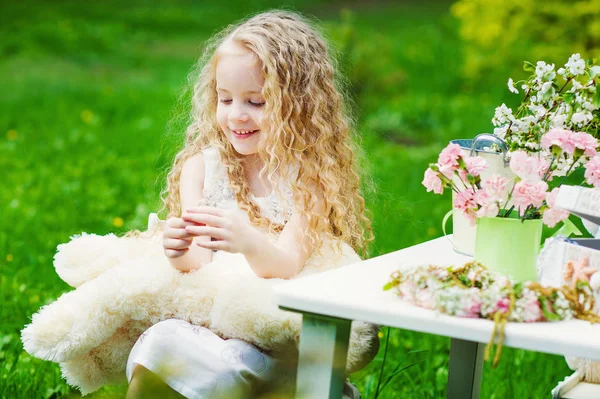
444, 223
486, 137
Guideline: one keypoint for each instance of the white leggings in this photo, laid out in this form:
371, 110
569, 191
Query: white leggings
199, 364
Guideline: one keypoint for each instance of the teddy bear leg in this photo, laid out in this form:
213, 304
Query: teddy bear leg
82, 319
106, 363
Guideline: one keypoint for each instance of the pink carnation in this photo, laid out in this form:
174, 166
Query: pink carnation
448, 158
560, 138
432, 182
527, 167
476, 165
585, 142
554, 215
495, 186
551, 197
529, 193
465, 200
592, 172
488, 210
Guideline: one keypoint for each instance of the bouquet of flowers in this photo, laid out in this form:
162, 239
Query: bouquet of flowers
473, 291
553, 132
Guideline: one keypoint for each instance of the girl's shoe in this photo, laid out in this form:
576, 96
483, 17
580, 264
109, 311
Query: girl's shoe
350, 391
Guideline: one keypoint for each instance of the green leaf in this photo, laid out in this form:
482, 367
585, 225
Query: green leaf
528, 66
390, 285
596, 99
594, 71
569, 97
548, 314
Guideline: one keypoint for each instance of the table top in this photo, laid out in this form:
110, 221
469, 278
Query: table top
355, 292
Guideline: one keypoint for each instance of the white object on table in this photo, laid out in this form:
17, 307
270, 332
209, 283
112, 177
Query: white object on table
330, 300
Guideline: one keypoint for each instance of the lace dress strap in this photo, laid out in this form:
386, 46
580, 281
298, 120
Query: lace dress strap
218, 193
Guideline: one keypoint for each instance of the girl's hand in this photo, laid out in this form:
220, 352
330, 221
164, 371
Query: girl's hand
176, 241
231, 230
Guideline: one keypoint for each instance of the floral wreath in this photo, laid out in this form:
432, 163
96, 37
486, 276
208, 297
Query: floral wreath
475, 292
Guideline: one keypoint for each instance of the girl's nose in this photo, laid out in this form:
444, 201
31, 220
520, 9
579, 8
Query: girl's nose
236, 113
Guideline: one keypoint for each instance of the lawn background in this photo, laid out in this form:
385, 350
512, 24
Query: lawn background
89, 125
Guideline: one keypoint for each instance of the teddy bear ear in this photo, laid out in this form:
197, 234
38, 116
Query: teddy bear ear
154, 222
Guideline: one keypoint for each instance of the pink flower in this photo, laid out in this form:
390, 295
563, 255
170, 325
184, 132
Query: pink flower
560, 138
551, 197
554, 215
495, 186
407, 291
527, 167
448, 158
592, 172
476, 165
465, 200
585, 142
529, 193
488, 210
482, 197
472, 307
502, 305
424, 298
432, 182
532, 311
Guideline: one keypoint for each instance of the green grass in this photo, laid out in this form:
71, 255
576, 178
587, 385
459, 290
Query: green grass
88, 93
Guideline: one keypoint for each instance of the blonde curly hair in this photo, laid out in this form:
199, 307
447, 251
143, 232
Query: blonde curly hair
309, 125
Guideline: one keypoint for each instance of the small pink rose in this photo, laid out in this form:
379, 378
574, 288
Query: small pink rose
532, 311
502, 305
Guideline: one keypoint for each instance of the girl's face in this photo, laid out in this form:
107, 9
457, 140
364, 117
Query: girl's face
240, 108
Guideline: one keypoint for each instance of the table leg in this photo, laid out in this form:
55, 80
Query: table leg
466, 364
322, 359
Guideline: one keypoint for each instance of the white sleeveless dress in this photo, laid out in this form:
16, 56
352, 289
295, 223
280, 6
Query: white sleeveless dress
193, 360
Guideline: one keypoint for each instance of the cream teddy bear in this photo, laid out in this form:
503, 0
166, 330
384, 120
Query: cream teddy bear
126, 284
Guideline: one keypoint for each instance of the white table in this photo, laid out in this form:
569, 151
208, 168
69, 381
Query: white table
330, 300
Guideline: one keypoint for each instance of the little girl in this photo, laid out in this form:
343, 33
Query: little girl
267, 173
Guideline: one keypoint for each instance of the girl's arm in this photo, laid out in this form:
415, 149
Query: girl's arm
283, 259
287, 256
191, 184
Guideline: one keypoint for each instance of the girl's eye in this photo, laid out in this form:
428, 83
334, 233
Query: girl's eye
224, 101
256, 104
